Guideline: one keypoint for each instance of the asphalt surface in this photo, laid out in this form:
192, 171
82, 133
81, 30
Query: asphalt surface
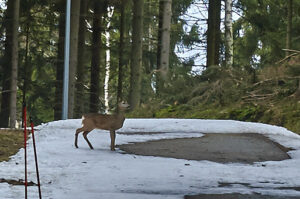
237, 196
223, 148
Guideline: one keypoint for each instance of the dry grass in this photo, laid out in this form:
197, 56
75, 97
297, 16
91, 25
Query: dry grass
10, 143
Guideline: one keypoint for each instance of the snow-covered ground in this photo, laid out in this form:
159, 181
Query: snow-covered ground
67, 172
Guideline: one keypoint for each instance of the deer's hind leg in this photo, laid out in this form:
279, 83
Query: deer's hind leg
76, 135
86, 139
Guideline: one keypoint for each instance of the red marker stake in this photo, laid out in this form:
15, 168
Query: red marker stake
25, 150
36, 161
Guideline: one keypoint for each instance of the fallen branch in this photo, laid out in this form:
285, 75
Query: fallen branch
273, 80
290, 50
260, 95
287, 57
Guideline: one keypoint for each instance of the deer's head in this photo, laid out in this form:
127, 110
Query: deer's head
123, 106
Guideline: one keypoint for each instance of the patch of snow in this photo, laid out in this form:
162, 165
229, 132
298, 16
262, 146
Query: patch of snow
67, 172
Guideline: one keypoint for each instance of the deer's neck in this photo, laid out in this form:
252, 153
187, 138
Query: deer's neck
119, 115
118, 120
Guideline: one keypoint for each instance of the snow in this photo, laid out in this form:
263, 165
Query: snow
67, 172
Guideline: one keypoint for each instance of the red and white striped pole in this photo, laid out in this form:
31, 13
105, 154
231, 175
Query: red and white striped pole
36, 161
25, 150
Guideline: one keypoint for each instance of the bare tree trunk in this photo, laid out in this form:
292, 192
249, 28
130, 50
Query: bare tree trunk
60, 62
110, 12
121, 57
8, 61
14, 65
228, 34
81, 68
213, 33
75, 12
96, 52
159, 45
136, 54
289, 26
165, 13
151, 45
166, 29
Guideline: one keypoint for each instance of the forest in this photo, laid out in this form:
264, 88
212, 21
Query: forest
230, 59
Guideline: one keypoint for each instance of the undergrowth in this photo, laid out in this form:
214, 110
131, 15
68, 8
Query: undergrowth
285, 113
269, 95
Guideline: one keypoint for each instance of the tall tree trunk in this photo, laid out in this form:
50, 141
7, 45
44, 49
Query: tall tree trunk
75, 12
81, 68
159, 45
110, 12
165, 13
136, 54
151, 46
14, 64
60, 61
7, 64
213, 33
96, 52
228, 34
121, 57
289, 25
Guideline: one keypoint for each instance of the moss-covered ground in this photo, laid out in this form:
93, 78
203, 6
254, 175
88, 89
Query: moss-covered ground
285, 113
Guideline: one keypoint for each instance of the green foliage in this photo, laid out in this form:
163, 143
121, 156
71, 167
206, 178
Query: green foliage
147, 110
285, 113
219, 84
230, 93
174, 111
176, 89
247, 113
253, 90
261, 32
192, 38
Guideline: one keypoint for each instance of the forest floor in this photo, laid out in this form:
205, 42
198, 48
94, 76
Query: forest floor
10, 143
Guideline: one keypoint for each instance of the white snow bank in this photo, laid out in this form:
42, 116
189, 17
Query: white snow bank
67, 172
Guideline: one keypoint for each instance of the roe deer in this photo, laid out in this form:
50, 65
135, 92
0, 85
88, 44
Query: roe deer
111, 123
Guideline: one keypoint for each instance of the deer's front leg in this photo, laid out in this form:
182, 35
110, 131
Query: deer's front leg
112, 140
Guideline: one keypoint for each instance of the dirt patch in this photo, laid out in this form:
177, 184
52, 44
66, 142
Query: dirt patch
17, 182
10, 143
223, 148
